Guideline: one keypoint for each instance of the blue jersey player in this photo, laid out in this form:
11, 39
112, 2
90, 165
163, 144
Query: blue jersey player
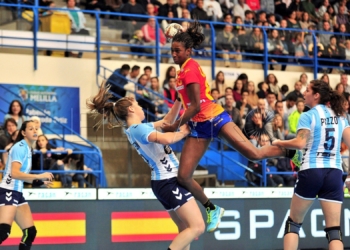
152, 147
13, 206
319, 135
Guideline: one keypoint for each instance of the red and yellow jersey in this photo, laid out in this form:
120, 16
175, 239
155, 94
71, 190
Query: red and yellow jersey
191, 72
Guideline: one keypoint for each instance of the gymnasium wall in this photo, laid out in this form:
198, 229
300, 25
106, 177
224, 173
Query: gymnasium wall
15, 68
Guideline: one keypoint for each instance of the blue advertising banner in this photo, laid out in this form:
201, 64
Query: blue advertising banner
59, 103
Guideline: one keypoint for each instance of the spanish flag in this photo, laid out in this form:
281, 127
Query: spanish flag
142, 226
54, 228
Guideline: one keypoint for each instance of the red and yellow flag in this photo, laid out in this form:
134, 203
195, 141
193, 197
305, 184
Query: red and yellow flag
142, 226
54, 228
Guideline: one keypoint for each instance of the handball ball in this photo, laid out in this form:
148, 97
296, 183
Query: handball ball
172, 29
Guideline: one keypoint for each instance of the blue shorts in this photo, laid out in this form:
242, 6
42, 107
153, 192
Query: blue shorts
11, 198
170, 193
326, 183
210, 128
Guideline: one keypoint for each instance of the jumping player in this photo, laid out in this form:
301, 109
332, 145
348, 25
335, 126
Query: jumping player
152, 147
13, 206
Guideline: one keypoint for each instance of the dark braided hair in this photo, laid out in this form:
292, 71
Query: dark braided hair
192, 37
328, 95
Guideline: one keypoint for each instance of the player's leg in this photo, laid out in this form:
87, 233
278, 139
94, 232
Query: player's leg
234, 136
332, 212
24, 220
7, 215
298, 209
189, 220
192, 151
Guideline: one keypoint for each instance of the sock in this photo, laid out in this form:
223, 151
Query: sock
290, 153
209, 204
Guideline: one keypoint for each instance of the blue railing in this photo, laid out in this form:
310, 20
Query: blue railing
262, 57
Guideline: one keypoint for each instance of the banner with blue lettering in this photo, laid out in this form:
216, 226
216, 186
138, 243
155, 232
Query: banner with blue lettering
60, 104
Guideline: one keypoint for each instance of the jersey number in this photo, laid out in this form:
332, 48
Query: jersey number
330, 140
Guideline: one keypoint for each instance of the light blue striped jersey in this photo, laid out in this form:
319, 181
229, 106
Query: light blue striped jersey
323, 147
160, 158
20, 152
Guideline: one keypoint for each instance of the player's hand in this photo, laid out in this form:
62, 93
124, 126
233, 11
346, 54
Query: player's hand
166, 127
185, 129
47, 184
45, 176
275, 142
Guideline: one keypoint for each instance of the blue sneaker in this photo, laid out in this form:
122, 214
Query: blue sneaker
214, 218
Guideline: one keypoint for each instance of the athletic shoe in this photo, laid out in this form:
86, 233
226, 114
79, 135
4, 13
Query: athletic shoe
297, 158
214, 218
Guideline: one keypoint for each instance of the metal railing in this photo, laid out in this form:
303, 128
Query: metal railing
263, 56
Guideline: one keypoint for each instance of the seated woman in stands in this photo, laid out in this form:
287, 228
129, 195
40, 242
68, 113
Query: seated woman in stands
51, 161
16, 112
71, 163
8, 146
10, 126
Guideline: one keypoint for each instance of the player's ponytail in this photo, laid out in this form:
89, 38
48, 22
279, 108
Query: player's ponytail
192, 37
114, 112
328, 96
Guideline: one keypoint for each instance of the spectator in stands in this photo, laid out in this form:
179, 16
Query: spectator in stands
326, 18
150, 10
166, 22
243, 106
333, 51
75, 162
183, 5
240, 8
254, 5
277, 126
244, 78
137, 39
279, 108
271, 18
300, 49
233, 111
325, 38
186, 15
325, 78
296, 6
248, 18
342, 37
305, 21
340, 89
77, 18
294, 118
16, 112
275, 47
149, 31
340, 18
118, 80
170, 6
262, 17
286, 37
347, 56
303, 79
292, 21
226, 43
323, 9
240, 34
264, 89
309, 7
147, 70
268, 6
284, 91
281, 8
338, 4
319, 50
192, 5
160, 106
199, 13
237, 90
170, 72
132, 23
133, 75
271, 100
252, 98
98, 5
297, 90
219, 83
272, 81
256, 44
51, 161
37, 123
170, 92
10, 126
344, 81
289, 106
215, 94
213, 10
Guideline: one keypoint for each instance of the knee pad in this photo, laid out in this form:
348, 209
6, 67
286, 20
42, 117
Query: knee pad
5, 230
292, 227
28, 236
333, 233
